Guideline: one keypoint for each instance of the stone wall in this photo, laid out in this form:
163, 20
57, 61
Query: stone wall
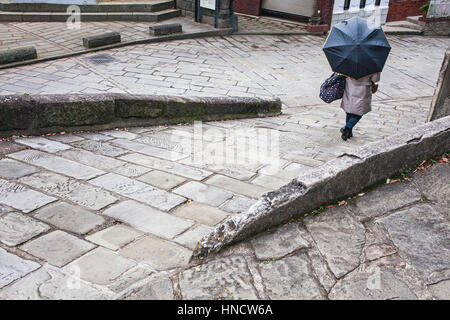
440, 106
39, 114
437, 27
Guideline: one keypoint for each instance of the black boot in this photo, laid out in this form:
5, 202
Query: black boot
351, 133
346, 133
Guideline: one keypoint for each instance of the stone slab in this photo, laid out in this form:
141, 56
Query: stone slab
191, 237
147, 219
157, 253
12, 267
237, 186
69, 217
131, 170
11, 169
441, 290
16, 228
162, 179
434, 184
43, 144
200, 213
422, 235
9, 147
80, 193
203, 193
130, 277
238, 204
374, 284
22, 198
149, 150
224, 279
91, 159
283, 241
137, 190
57, 248
57, 164
290, 279
115, 237
339, 237
167, 166
99, 147
100, 266
161, 289
49, 283
386, 198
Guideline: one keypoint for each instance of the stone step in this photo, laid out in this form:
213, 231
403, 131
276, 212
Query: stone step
415, 20
147, 6
89, 16
404, 24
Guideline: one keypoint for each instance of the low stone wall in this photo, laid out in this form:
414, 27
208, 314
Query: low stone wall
344, 176
30, 115
440, 106
437, 26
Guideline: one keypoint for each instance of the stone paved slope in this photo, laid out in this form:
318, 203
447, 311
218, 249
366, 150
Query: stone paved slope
140, 198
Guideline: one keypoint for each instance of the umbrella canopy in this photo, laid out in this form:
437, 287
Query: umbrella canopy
356, 48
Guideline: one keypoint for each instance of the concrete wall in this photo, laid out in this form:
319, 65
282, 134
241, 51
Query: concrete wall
440, 106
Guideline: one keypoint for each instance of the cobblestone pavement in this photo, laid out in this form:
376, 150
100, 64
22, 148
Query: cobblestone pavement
72, 203
55, 38
291, 67
389, 243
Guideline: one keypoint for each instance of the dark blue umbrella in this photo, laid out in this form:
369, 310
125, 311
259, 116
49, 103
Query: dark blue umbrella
356, 48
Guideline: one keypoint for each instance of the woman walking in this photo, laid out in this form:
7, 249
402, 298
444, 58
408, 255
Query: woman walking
357, 50
357, 100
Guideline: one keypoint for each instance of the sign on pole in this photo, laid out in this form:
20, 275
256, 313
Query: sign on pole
208, 4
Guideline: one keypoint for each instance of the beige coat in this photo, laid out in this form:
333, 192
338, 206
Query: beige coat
357, 97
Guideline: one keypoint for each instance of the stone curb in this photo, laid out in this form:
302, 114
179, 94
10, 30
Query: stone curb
40, 114
179, 36
17, 54
337, 179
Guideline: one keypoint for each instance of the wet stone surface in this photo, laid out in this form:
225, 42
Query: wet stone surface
134, 188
